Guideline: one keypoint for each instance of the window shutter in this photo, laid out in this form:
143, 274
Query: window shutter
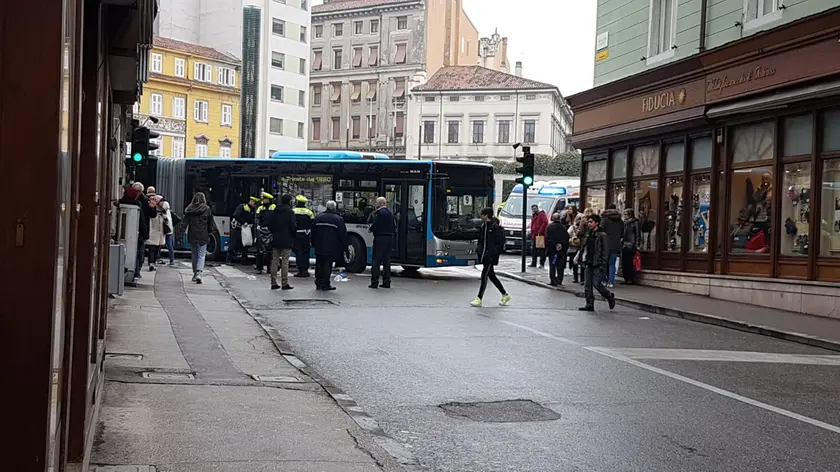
197, 111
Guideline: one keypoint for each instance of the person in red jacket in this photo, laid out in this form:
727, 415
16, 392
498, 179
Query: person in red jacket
539, 222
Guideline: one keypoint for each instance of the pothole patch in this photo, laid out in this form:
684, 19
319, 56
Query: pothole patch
277, 378
507, 411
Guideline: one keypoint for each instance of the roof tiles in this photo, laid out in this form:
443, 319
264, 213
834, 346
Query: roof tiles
479, 78
194, 49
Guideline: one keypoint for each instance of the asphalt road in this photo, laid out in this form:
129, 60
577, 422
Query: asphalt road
619, 391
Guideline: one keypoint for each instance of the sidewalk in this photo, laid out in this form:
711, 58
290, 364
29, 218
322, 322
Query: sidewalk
193, 383
796, 327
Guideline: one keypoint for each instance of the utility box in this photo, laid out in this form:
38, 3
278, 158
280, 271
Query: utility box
128, 232
116, 269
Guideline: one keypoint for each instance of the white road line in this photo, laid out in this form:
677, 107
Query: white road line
720, 356
710, 388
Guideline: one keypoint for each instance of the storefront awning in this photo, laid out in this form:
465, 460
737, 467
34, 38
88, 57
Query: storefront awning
775, 100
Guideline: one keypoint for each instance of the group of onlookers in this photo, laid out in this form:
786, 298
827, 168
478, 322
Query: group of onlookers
591, 244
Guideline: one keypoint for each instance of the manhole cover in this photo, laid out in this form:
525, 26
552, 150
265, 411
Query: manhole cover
167, 376
277, 378
123, 468
121, 355
508, 411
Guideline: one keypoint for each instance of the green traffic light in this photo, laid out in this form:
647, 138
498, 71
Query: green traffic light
137, 157
528, 180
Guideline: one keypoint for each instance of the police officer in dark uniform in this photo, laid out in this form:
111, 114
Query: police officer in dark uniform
303, 218
262, 235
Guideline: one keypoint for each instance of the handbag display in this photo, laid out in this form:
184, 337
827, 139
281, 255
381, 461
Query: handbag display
540, 242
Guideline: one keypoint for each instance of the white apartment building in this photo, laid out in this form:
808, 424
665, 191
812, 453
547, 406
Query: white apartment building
275, 61
472, 112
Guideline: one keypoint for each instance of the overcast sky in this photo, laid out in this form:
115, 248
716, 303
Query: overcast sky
554, 39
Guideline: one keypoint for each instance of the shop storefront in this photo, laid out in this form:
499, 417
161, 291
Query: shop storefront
730, 158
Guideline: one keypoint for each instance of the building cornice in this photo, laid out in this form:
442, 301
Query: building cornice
344, 73
367, 11
489, 91
230, 62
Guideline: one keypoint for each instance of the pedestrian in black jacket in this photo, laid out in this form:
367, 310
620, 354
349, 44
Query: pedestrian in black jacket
329, 238
557, 247
281, 222
631, 242
383, 229
614, 227
491, 243
595, 258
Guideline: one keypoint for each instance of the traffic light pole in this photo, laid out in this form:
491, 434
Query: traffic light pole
524, 222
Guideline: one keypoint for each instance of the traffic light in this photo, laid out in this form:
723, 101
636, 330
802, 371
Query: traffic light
141, 145
527, 169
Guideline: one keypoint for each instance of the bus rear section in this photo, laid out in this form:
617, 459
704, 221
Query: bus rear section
547, 196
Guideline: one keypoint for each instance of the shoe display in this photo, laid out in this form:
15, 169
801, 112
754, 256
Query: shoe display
505, 300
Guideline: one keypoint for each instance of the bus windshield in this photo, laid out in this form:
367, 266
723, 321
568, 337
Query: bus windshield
461, 219
513, 206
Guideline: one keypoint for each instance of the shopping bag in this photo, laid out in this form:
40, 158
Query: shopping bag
540, 241
247, 236
637, 261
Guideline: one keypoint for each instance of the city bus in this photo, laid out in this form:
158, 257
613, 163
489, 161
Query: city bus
436, 204
551, 196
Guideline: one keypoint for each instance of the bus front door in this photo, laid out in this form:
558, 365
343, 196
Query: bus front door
407, 200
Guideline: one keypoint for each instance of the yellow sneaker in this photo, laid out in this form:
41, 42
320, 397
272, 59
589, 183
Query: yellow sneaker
505, 300
476, 302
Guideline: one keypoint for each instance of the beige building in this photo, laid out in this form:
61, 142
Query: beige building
366, 55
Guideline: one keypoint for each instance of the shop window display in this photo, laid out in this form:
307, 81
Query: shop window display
645, 161
645, 204
596, 170
596, 197
673, 212
796, 209
750, 210
701, 203
619, 196
830, 214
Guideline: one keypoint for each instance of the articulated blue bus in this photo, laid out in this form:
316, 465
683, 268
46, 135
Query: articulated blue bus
436, 204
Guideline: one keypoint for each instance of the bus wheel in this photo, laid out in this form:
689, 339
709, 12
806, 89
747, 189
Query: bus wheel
358, 256
214, 247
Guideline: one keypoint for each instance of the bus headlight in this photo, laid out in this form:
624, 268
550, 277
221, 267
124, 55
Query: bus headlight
440, 253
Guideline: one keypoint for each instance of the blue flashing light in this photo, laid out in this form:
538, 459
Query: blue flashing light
553, 191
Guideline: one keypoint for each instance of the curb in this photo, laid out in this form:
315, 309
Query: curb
697, 317
366, 423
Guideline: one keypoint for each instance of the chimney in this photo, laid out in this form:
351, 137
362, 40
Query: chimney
518, 72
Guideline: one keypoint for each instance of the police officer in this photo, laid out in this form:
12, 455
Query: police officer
263, 234
244, 214
303, 218
329, 237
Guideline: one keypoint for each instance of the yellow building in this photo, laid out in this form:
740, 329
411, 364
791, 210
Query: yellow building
194, 92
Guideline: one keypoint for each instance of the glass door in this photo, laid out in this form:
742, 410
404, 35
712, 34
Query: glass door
393, 194
407, 200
